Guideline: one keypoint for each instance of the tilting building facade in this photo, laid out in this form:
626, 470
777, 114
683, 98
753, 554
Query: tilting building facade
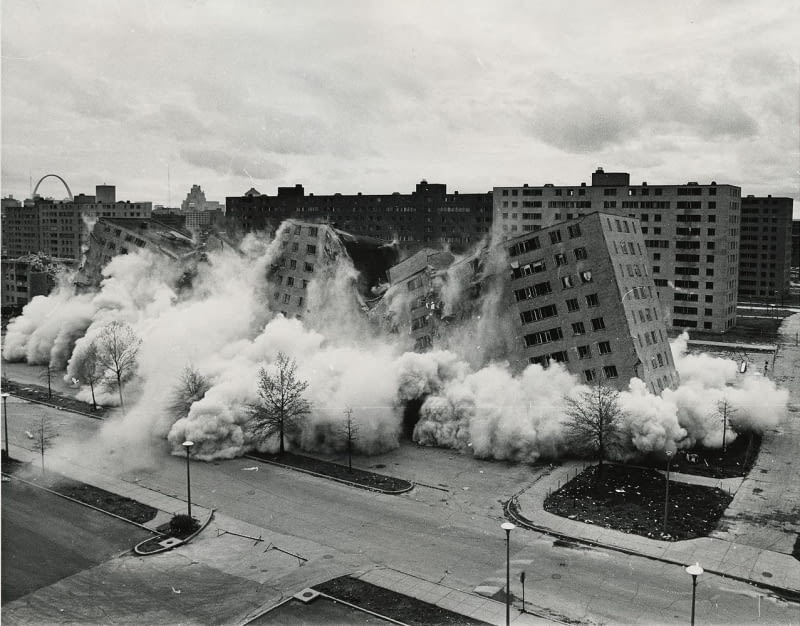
311, 251
114, 236
579, 292
691, 233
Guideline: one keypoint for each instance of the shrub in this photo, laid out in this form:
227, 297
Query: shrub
182, 525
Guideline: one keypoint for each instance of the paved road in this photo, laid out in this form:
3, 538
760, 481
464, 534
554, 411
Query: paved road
451, 536
47, 538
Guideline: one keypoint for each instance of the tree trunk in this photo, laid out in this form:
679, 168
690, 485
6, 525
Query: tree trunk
94, 402
119, 387
280, 434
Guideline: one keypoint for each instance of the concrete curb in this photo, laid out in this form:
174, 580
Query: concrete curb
338, 480
512, 513
90, 506
181, 542
56, 406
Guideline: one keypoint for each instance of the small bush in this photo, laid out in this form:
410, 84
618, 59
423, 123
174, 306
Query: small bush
182, 525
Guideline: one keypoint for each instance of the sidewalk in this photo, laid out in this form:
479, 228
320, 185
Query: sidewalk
758, 566
237, 549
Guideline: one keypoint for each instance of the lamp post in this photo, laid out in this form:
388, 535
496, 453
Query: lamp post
666, 492
695, 570
188, 446
5, 425
508, 527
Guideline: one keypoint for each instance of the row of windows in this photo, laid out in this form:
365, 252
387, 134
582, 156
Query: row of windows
556, 334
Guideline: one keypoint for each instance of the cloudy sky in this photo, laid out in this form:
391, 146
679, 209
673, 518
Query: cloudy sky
374, 96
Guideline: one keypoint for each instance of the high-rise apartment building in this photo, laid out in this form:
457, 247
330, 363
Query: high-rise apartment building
429, 216
691, 233
765, 255
61, 229
580, 293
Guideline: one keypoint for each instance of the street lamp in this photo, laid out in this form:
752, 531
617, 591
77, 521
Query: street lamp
508, 527
695, 570
666, 492
188, 446
5, 425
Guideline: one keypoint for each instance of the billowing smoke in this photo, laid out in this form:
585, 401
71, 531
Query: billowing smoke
469, 398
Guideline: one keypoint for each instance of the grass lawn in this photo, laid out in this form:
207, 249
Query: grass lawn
395, 605
88, 494
362, 478
631, 500
736, 461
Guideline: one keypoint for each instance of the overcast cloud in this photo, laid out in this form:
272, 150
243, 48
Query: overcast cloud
373, 95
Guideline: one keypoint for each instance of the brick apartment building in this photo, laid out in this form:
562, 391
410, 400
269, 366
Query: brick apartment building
309, 251
579, 292
765, 255
691, 233
113, 236
427, 217
59, 229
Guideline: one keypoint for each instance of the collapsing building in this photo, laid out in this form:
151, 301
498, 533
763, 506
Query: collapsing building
578, 293
113, 236
312, 251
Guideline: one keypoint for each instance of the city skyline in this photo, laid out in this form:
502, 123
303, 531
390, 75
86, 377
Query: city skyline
373, 97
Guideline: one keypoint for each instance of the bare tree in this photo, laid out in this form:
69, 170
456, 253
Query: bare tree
281, 405
88, 371
47, 375
43, 438
595, 422
190, 388
724, 411
117, 349
350, 432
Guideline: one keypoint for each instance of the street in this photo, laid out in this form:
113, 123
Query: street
451, 536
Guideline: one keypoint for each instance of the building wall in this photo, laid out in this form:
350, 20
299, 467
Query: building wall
765, 248
59, 229
691, 232
583, 295
429, 216
795, 243
113, 236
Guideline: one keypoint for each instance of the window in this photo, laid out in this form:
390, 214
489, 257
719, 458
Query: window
540, 289
610, 371
574, 231
580, 253
578, 328
290, 281
584, 352
561, 259
311, 249
555, 236
598, 323
308, 267
604, 347
567, 282
592, 300
312, 231
545, 336
588, 375
295, 246
534, 315
572, 305
292, 264
586, 276
286, 298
